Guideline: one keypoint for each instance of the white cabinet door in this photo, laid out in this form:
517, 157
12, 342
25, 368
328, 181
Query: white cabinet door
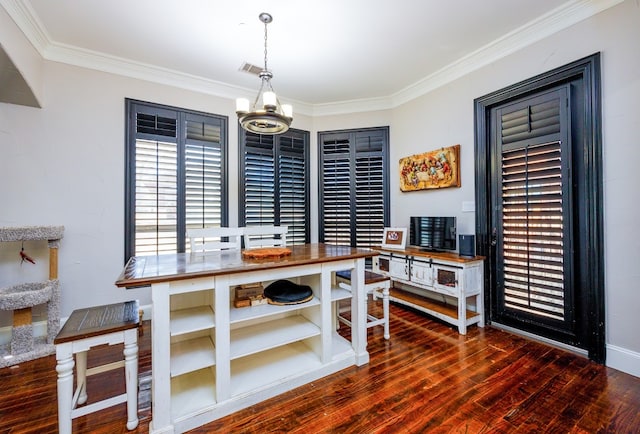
446, 279
422, 272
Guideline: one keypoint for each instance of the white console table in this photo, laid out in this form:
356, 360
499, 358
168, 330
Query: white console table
210, 359
444, 285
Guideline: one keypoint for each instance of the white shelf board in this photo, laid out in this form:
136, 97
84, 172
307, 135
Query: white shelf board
338, 294
192, 355
238, 314
192, 392
258, 371
270, 334
190, 320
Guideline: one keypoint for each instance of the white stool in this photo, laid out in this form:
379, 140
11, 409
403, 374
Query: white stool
86, 328
375, 284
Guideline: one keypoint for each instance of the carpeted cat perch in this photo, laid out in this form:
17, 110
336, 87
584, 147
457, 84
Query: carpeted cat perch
21, 298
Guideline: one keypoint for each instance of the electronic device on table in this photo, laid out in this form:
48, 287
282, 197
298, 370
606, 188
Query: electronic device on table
433, 233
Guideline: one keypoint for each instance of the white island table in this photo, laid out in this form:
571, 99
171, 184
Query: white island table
210, 359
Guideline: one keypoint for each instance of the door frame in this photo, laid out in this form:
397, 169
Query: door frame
592, 244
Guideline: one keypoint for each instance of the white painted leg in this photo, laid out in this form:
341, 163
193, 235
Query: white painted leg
81, 371
64, 367
359, 313
131, 376
385, 310
462, 313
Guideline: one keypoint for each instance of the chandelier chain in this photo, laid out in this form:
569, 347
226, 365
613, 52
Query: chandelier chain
265, 47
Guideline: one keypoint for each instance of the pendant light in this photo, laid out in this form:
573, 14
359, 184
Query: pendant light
270, 117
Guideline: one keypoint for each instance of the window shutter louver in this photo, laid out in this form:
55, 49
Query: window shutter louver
156, 197
532, 210
259, 189
203, 175
156, 125
275, 188
336, 181
369, 180
531, 124
353, 186
533, 230
293, 188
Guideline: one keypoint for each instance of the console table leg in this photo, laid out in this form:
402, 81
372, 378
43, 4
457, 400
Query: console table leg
462, 314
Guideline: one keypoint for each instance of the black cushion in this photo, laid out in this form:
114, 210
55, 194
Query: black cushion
286, 292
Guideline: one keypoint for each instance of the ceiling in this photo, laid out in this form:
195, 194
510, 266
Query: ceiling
329, 53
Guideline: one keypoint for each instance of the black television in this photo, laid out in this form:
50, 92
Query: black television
433, 233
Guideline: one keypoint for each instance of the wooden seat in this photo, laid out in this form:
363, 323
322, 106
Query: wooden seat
86, 328
211, 239
265, 236
375, 285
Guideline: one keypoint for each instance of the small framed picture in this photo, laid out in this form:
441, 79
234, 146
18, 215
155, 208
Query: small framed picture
394, 238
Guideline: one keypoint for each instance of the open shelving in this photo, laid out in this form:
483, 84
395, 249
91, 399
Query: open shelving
211, 358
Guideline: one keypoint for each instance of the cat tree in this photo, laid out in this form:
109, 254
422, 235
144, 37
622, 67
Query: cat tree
21, 298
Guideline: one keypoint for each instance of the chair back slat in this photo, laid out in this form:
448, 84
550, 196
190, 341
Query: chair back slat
265, 236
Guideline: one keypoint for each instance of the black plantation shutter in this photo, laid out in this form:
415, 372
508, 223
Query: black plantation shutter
369, 192
175, 176
533, 229
354, 192
292, 187
534, 191
275, 187
203, 173
336, 190
259, 180
156, 174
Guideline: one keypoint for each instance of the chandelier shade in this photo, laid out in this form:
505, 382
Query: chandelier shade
266, 115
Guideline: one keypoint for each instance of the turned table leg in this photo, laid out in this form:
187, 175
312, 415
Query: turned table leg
64, 367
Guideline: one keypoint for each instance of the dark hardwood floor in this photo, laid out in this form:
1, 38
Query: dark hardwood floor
427, 378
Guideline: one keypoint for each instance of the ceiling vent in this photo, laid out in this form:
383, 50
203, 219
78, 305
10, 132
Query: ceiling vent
251, 69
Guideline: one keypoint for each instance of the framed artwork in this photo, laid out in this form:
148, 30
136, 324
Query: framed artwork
394, 238
434, 169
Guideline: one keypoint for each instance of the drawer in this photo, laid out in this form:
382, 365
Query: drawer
446, 279
422, 272
394, 267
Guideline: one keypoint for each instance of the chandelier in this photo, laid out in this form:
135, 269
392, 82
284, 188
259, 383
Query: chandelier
271, 117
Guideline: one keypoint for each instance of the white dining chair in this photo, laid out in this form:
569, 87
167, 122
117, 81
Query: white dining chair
265, 236
204, 240
375, 285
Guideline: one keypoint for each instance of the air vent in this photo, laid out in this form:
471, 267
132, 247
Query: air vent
251, 69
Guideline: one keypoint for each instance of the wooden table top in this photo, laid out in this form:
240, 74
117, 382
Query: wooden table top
445, 256
99, 320
146, 270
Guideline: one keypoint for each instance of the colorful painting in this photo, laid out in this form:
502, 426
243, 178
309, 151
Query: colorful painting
435, 169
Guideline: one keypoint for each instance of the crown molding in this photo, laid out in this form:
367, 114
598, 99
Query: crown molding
352, 106
554, 21
26, 20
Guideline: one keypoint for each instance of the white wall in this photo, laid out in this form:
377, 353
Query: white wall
24, 56
445, 117
64, 163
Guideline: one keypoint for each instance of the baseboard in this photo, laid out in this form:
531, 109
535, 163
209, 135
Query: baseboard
623, 360
40, 327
